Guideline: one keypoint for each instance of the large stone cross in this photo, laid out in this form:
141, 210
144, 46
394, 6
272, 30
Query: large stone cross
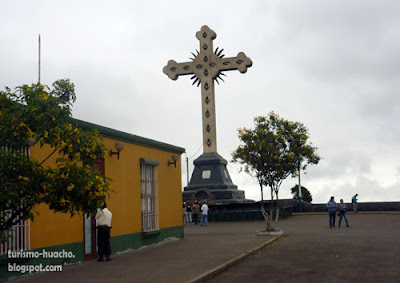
206, 67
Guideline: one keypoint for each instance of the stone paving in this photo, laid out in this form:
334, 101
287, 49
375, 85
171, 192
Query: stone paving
203, 249
310, 251
368, 251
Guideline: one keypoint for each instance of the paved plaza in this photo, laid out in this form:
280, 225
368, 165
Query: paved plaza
368, 251
310, 251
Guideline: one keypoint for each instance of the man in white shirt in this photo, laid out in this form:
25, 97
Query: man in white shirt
204, 215
103, 218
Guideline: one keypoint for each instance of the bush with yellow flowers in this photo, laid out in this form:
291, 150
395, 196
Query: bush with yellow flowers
41, 116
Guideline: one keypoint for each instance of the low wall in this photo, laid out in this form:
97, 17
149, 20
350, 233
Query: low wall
362, 206
244, 211
252, 210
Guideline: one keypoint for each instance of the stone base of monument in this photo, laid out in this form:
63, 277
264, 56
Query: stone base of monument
215, 196
211, 181
269, 233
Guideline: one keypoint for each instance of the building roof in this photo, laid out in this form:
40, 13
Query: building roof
123, 136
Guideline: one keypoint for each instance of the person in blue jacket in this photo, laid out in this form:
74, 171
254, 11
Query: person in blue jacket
331, 205
343, 213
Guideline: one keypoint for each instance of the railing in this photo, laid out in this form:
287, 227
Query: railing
17, 238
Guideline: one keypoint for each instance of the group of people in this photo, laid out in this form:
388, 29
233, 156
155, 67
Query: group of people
342, 213
191, 213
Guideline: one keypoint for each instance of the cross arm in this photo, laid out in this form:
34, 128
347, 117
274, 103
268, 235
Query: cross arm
241, 62
173, 69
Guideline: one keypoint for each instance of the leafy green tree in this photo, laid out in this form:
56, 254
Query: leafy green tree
272, 151
305, 194
37, 115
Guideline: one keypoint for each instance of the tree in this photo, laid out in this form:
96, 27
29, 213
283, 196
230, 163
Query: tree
272, 151
306, 194
38, 115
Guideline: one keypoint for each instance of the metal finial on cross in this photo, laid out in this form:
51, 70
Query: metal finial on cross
207, 66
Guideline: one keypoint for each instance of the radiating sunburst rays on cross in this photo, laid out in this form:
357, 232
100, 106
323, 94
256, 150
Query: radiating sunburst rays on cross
219, 55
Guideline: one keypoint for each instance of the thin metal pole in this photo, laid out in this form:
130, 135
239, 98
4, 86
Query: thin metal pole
300, 195
39, 59
187, 170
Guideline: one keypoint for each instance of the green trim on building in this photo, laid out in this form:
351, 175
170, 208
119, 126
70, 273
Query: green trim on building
118, 244
122, 136
149, 162
151, 234
137, 240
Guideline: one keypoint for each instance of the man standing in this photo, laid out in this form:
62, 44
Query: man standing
185, 215
103, 218
331, 205
354, 201
204, 215
189, 209
343, 213
196, 212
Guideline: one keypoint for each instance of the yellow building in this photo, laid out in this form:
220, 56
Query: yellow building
146, 205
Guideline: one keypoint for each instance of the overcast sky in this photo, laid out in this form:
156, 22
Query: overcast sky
332, 65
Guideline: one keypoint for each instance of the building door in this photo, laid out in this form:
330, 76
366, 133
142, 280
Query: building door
89, 225
89, 231
201, 196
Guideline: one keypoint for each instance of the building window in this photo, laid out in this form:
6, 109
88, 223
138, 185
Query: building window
149, 194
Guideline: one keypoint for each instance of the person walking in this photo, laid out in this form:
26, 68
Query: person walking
343, 213
331, 205
204, 214
354, 201
103, 219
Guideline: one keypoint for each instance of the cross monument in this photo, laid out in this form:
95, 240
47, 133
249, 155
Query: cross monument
206, 67
210, 175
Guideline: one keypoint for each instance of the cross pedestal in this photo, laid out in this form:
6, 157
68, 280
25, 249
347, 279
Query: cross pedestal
210, 179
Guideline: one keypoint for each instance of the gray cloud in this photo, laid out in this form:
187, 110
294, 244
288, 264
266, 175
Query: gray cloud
332, 65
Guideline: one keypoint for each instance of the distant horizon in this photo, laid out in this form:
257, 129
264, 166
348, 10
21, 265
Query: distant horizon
267, 200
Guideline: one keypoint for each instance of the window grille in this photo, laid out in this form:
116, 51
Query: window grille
18, 237
149, 194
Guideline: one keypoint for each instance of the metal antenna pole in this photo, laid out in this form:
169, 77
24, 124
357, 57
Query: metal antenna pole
39, 59
187, 170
